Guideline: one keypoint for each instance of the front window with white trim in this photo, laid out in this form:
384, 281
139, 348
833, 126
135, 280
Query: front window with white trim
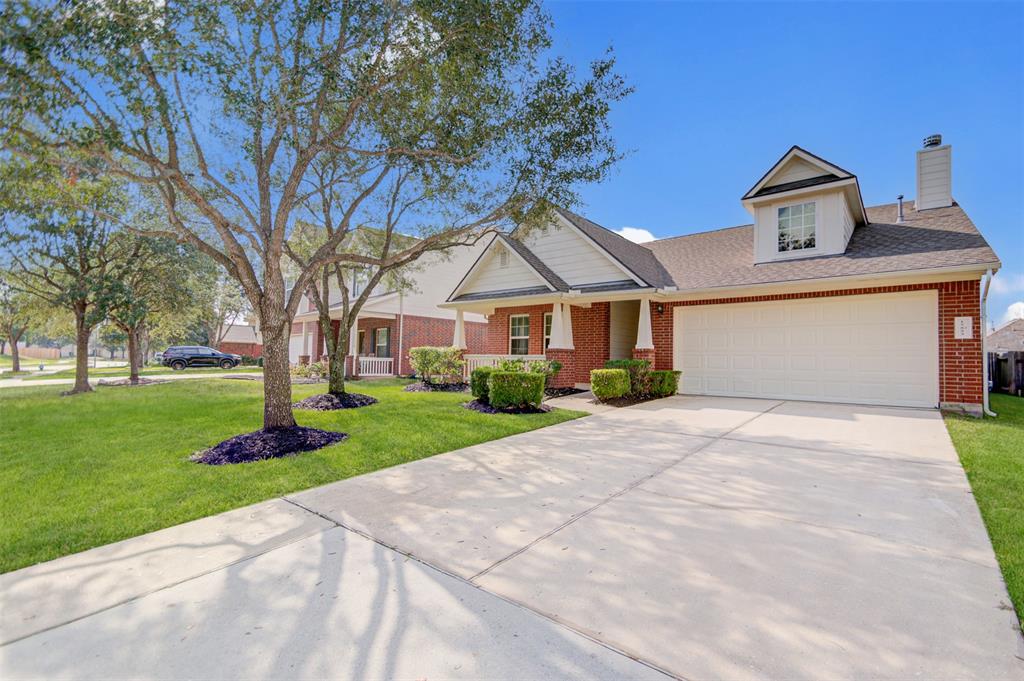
381, 341
547, 329
519, 334
796, 227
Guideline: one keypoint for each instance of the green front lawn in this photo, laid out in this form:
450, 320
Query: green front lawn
82, 471
122, 372
992, 452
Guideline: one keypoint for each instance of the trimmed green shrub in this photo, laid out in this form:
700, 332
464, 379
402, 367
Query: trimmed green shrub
478, 382
437, 365
548, 367
608, 384
512, 365
515, 389
662, 383
637, 370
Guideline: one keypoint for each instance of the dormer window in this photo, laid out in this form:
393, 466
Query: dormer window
797, 227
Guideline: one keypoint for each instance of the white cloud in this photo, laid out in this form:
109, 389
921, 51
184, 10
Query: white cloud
1014, 311
1007, 282
636, 234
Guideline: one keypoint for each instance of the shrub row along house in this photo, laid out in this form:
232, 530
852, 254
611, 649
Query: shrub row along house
821, 298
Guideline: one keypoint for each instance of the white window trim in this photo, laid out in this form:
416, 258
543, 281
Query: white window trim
548, 320
511, 337
376, 339
798, 251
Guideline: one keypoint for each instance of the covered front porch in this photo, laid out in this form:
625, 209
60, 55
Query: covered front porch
372, 348
580, 334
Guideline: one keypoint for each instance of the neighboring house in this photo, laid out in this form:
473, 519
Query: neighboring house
1005, 348
820, 299
392, 322
242, 339
1007, 338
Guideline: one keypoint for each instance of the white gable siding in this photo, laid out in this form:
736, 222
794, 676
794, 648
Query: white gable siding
434, 277
794, 170
833, 226
572, 257
490, 276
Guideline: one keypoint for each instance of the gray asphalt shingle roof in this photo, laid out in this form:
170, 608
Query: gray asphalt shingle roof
936, 238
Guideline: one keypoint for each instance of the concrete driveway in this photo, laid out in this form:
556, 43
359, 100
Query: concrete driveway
689, 537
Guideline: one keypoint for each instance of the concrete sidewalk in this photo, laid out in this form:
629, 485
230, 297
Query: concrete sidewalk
687, 537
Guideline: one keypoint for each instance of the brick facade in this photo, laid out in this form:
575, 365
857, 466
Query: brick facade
418, 331
250, 349
591, 329
960, 361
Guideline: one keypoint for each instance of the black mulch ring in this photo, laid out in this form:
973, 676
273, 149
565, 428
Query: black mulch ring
562, 392
484, 408
626, 401
422, 387
331, 401
267, 444
128, 381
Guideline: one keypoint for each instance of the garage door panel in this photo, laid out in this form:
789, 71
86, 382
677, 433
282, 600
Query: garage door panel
878, 349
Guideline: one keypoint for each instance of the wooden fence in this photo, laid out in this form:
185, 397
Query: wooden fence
1006, 372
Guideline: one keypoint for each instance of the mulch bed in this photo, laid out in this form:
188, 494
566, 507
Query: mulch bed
484, 408
331, 401
422, 387
562, 392
128, 381
267, 444
625, 401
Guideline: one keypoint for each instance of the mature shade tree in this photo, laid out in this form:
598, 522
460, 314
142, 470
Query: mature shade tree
152, 279
16, 316
223, 109
63, 255
217, 298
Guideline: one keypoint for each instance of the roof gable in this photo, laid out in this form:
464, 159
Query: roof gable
517, 269
797, 166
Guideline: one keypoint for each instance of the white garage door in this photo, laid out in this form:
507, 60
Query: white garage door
874, 349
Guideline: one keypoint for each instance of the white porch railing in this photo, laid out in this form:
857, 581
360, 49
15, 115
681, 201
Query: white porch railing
477, 361
376, 366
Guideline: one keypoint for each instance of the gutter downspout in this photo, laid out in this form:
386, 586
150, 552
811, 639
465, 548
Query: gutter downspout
984, 342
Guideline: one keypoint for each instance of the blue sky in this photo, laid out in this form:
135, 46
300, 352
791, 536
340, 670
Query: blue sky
723, 89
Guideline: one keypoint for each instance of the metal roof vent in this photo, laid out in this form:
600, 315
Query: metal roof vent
932, 141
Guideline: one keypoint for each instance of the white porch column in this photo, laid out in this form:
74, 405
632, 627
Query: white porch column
561, 327
459, 341
353, 340
566, 325
644, 337
305, 338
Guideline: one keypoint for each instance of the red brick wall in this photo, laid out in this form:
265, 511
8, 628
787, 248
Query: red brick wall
590, 334
251, 349
418, 331
960, 371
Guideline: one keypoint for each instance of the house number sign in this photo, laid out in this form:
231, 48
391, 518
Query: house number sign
963, 328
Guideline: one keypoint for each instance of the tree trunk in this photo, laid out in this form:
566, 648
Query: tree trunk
3, 345
133, 356
277, 380
336, 380
15, 357
82, 332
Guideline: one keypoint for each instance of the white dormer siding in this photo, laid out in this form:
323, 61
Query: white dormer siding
833, 225
819, 217
571, 257
500, 270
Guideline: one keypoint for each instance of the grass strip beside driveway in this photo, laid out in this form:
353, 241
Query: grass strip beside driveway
87, 470
992, 452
